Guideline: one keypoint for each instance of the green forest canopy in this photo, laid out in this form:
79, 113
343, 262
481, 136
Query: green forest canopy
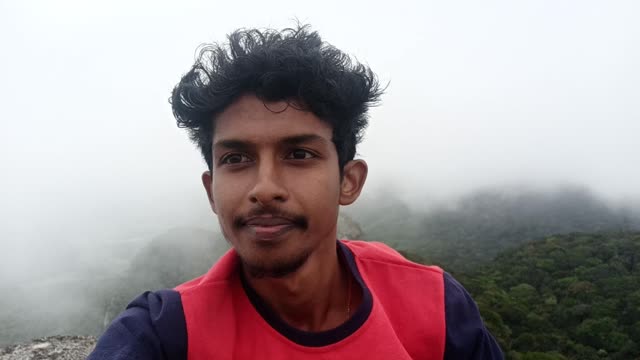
574, 296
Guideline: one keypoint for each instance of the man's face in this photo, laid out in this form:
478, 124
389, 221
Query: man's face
275, 184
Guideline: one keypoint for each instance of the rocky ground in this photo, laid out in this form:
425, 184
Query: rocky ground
51, 348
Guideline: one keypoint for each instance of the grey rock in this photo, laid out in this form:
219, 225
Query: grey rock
51, 348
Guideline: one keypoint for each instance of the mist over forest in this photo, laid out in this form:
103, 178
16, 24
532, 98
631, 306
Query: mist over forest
465, 236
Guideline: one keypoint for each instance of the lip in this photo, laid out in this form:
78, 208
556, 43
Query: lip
268, 221
266, 228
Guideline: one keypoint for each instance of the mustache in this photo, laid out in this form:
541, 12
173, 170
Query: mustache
296, 219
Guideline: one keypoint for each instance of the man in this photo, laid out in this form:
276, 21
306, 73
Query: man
277, 116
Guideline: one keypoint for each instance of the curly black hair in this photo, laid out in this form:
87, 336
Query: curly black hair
292, 65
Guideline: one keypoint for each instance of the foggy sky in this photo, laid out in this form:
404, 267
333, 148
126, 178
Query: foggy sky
480, 93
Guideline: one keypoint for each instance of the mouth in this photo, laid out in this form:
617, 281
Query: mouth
265, 228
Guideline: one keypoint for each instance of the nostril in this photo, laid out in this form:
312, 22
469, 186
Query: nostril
254, 199
268, 190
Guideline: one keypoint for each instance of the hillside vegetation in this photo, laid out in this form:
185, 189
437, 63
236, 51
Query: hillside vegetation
574, 296
473, 230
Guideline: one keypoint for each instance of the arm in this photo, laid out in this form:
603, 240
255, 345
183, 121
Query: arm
152, 327
467, 337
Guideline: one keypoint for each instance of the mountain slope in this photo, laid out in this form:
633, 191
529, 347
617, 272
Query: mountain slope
476, 228
576, 294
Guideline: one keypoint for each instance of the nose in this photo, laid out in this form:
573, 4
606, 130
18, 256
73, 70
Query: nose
268, 187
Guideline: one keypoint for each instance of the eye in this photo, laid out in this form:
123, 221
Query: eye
300, 154
231, 159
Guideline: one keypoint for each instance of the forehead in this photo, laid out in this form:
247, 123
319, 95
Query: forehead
251, 119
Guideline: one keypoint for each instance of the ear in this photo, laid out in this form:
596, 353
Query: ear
207, 182
353, 178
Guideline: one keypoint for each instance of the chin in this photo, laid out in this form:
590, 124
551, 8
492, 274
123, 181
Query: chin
258, 266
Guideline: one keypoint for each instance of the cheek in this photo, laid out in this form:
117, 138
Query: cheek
226, 195
321, 193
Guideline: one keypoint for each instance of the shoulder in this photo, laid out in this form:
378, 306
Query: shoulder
151, 327
387, 273
466, 335
377, 252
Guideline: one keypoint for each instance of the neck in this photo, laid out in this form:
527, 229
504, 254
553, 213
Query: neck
316, 297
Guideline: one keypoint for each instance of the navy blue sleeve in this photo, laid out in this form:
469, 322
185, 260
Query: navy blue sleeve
152, 327
467, 337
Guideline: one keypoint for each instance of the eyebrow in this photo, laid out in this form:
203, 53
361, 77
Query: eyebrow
301, 139
289, 140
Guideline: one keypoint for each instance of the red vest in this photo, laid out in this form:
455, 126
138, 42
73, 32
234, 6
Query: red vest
407, 318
